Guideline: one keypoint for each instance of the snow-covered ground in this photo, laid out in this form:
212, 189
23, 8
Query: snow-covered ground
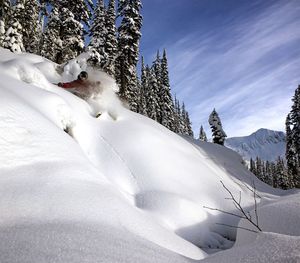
120, 188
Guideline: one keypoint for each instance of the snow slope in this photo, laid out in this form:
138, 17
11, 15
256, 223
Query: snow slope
118, 188
264, 143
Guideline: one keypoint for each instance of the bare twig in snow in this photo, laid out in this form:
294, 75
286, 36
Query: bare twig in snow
251, 230
237, 203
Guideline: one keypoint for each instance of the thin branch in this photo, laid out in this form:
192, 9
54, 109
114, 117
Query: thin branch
239, 207
255, 203
244, 184
237, 227
225, 212
249, 215
236, 206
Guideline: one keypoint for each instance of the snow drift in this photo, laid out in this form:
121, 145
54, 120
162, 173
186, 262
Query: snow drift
118, 188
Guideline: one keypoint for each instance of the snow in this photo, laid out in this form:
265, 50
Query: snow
118, 188
266, 248
268, 145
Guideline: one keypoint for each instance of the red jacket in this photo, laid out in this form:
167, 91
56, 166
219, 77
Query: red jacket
82, 88
74, 84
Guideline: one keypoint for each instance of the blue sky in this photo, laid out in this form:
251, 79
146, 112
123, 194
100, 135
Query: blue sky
241, 57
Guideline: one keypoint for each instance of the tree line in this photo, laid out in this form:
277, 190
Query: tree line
61, 30
293, 140
272, 173
284, 174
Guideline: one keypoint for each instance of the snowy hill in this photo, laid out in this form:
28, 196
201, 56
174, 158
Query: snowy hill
266, 144
119, 188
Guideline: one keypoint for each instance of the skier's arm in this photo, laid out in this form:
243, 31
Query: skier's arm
68, 85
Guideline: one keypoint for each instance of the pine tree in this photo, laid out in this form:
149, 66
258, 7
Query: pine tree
29, 18
266, 176
153, 110
216, 126
281, 174
259, 168
71, 34
13, 39
269, 173
128, 49
167, 105
5, 6
181, 126
188, 124
290, 154
111, 44
51, 40
98, 35
143, 90
293, 139
177, 115
252, 167
183, 119
66, 28
202, 135
156, 68
2, 32
273, 173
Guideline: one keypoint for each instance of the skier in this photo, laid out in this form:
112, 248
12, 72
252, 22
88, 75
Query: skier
82, 87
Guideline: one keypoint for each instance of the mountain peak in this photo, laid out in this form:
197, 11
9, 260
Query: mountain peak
264, 143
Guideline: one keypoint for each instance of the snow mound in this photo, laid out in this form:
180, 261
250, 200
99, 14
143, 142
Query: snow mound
118, 188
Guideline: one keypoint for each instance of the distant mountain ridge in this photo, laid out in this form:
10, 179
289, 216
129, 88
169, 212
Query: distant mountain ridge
264, 143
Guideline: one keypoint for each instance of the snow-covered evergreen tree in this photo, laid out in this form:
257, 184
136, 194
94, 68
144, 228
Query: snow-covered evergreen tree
111, 44
143, 90
153, 109
183, 119
5, 6
51, 41
29, 18
98, 34
180, 114
2, 32
218, 133
177, 115
156, 68
188, 125
259, 169
202, 135
13, 39
128, 48
293, 139
293, 143
252, 167
290, 155
71, 35
167, 105
65, 28
273, 173
281, 174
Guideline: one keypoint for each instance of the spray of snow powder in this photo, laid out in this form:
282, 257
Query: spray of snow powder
101, 94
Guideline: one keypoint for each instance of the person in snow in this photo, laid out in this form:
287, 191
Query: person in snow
82, 86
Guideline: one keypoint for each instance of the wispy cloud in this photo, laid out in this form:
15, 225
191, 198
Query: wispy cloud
247, 69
